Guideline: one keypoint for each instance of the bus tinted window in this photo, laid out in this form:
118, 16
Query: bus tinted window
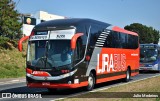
108, 43
132, 42
95, 31
93, 35
79, 50
116, 39
121, 40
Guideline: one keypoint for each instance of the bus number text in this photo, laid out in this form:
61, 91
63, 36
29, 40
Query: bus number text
60, 36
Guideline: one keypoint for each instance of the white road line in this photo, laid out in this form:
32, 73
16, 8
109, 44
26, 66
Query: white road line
107, 87
13, 81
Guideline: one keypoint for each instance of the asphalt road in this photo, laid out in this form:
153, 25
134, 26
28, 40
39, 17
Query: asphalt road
20, 88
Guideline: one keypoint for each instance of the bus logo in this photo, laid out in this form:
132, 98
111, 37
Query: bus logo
111, 62
45, 78
60, 36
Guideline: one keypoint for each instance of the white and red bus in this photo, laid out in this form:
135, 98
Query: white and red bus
71, 53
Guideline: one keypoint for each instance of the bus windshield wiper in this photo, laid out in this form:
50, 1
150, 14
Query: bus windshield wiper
46, 51
46, 54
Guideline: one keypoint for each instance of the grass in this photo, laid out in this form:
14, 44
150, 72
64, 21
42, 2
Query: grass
145, 86
12, 62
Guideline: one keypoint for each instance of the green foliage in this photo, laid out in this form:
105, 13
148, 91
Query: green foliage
6, 43
12, 62
11, 71
10, 25
3, 42
146, 34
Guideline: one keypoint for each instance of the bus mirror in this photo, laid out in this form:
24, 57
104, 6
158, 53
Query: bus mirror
20, 42
74, 40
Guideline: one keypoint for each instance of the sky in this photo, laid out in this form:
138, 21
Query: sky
115, 12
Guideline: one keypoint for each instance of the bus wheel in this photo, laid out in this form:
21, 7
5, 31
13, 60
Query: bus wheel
52, 89
128, 75
91, 82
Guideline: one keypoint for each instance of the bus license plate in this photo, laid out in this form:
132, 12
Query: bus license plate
147, 68
45, 83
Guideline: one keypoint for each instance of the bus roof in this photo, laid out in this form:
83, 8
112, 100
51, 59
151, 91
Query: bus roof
116, 28
69, 22
63, 23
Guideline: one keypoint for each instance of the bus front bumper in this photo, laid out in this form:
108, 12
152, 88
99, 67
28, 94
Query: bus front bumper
152, 68
53, 85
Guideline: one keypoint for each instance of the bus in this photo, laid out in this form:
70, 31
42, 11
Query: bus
149, 57
79, 52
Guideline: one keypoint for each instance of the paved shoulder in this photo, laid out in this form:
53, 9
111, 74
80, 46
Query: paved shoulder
12, 80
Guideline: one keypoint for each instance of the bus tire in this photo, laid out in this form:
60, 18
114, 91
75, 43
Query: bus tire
91, 82
128, 75
52, 89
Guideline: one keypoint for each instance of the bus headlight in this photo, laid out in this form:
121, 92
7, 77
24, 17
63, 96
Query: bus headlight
155, 66
76, 81
69, 82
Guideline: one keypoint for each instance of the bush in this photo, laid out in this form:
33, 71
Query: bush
14, 43
3, 41
6, 43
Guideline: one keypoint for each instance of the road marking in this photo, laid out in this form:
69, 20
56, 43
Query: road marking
106, 87
13, 81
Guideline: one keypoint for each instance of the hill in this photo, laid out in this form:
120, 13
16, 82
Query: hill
12, 62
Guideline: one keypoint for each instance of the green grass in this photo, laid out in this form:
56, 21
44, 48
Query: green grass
12, 62
148, 85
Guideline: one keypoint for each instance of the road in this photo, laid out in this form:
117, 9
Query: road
20, 87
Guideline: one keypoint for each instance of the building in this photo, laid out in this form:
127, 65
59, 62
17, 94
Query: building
30, 21
46, 16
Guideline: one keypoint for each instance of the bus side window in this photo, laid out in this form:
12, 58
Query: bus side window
78, 50
93, 36
116, 39
123, 40
108, 42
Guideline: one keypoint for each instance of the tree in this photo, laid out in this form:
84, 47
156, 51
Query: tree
146, 34
10, 25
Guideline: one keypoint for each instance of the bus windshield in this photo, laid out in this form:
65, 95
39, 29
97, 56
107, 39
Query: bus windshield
49, 53
148, 55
